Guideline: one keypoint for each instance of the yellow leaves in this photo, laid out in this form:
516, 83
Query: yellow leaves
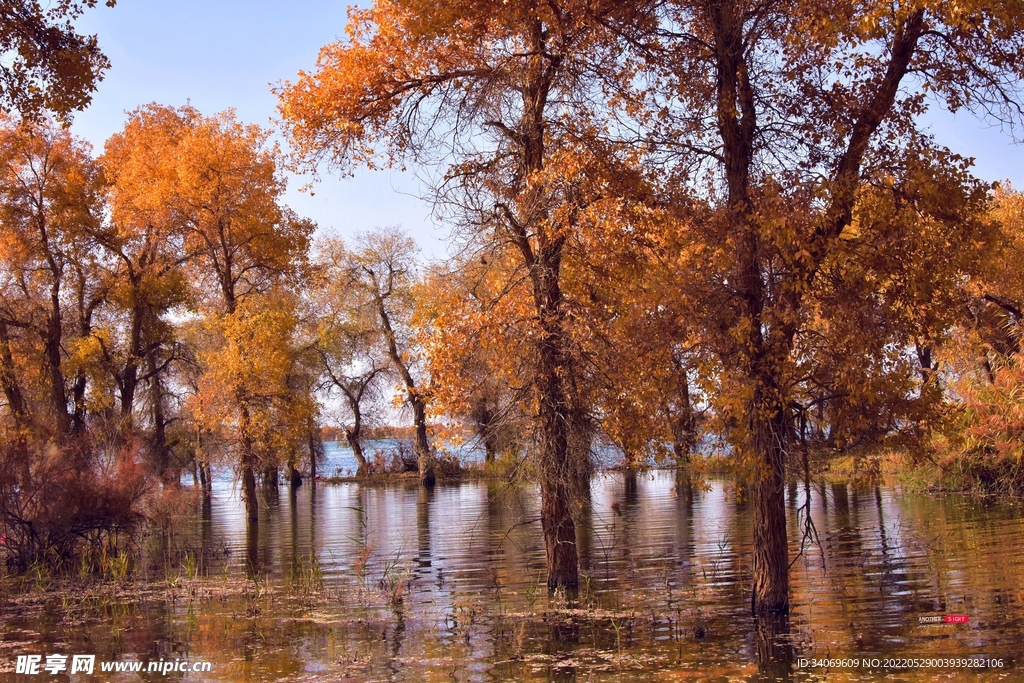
248, 360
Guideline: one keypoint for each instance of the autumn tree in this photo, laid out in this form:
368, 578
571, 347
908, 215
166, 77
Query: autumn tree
215, 184
51, 289
501, 95
650, 370
980, 445
475, 358
786, 117
380, 276
145, 243
62, 484
252, 392
346, 338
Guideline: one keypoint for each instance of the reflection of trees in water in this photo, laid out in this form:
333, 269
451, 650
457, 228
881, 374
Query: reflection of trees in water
252, 548
774, 648
293, 523
879, 578
424, 496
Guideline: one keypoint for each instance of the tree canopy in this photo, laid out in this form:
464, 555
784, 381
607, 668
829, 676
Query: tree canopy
48, 66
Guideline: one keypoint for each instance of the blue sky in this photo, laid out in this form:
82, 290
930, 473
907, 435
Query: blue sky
226, 53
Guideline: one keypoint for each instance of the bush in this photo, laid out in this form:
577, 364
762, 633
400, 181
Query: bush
400, 458
58, 502
988, 448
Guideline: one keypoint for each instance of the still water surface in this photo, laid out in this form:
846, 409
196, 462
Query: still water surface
447, 585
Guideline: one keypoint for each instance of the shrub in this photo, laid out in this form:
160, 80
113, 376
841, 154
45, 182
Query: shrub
57, 502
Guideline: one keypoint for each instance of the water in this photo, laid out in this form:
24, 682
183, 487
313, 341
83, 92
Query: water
448, 585
339, 461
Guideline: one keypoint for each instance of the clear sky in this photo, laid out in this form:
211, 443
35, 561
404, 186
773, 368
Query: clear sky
227, 53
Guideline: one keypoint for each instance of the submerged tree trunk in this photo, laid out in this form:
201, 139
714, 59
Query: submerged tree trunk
204, 481
249, 492
682, 422
271, 477
424, 457
557, 480
248, 468
771, 551
762, 436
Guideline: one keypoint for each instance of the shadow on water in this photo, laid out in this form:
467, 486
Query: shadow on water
349, 582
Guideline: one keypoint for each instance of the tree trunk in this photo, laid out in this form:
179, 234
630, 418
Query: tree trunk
354, 433
767, 434
161, 451
248, 468
424, 458
130, 373
249, 492
484, 419
352, 436
58, 397
203, 480
682, 422
271, 476
9, 380
18, 407
556, 476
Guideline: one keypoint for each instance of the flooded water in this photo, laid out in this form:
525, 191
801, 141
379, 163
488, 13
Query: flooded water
345, 582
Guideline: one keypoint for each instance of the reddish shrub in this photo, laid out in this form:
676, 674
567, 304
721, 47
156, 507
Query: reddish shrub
55, 501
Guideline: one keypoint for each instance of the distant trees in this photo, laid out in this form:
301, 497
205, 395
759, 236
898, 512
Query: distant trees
365, 312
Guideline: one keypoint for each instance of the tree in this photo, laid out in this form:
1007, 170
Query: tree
61, 483
52, 198
467, 331
782, 117
983, 363
47, 65
502, 94
147, 279
250, 394
381, 276
215, 183
347, 341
